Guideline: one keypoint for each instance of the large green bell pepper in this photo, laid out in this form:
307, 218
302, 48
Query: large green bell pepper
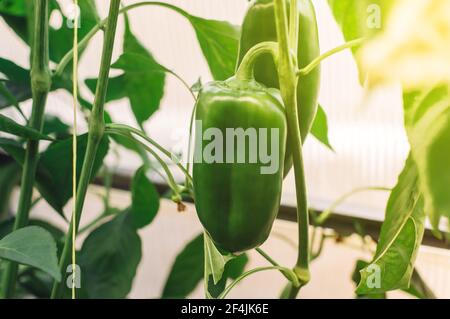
237, 188
259, 26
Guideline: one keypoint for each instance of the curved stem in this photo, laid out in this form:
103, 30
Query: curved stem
170, 179
126, 128
40, 85
272, 261
314, 63
245, 70
288, 87
95, 135
322, 218
101, 25
253, 271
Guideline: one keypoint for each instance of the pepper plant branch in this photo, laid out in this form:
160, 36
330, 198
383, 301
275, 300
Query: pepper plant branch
40, 86
273, 262
322, 218
170, 179
132, 130
95, 135
310, 67
101, 25
288, 88
256, 270
245, 70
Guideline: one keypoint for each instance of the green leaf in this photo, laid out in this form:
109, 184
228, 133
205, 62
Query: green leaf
427, 121
143, 79
319, 128
54, 125
60, 40
13, 148
356, 277
219, 41
17, 83
31, 246
400, 237
145, 199
7, 125
109, 259
188, 270
54, 178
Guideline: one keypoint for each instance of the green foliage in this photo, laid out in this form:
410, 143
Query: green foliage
109, 259
8, 125
427, 122
54, 177
319, 128
188, 271
143, 79
31, 246
400, 237
145, 199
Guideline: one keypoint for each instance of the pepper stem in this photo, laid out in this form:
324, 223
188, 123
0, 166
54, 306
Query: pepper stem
245, 70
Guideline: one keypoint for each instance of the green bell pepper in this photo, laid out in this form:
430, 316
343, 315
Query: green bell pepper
238, 161
259, 26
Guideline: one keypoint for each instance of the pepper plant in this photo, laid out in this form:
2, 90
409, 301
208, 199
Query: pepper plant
267, 76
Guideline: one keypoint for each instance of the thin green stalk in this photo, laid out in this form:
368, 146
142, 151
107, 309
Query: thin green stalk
322, 218
101, 25
314, 63
96, 131
272, 262
129, 129
245, 70
40, 85
288, 88
253, 271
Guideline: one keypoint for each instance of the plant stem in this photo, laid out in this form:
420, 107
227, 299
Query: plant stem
245, 70
101, 25
96, 131
40, 85
314, 63
253, 271
288, 87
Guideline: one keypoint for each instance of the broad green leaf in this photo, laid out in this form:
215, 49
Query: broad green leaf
356, 278
60, 40
145, 199
427, 121
31, 246
188, 271
143, 79
400, 237
54, 125
7, 125
109, 259
9, 177
319, 128
54, 177
219, 41
13, 148
17, 83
